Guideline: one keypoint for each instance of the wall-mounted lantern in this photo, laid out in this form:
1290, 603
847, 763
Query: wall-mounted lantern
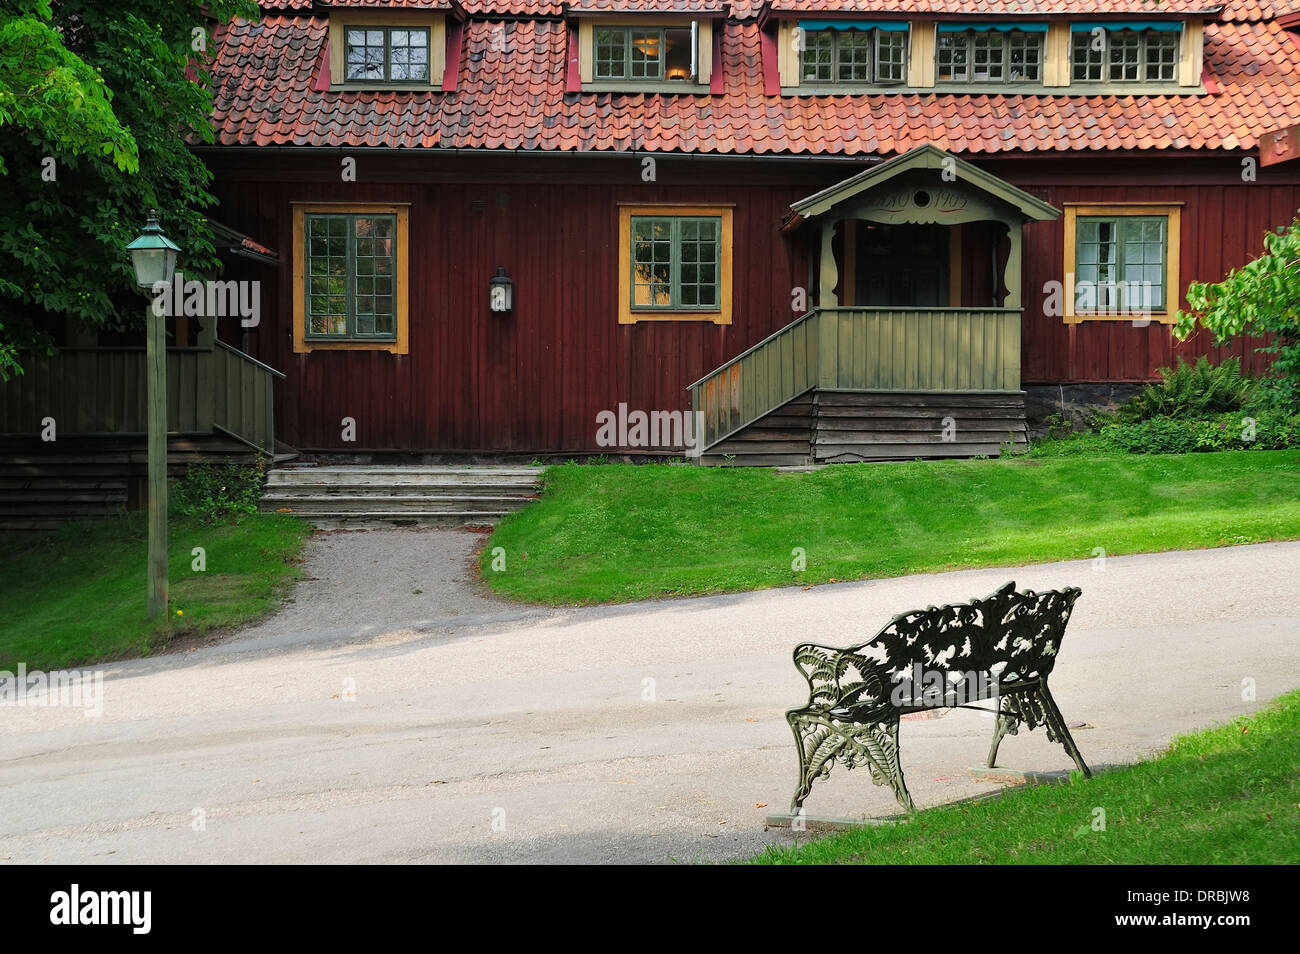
501, 292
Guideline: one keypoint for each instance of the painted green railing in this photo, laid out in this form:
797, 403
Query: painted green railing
244, 397
862, 349
95, 392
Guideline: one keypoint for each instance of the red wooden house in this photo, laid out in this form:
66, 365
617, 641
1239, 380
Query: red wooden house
836, 229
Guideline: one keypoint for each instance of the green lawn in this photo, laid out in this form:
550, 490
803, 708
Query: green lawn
77, 595
621, 532
1229, 795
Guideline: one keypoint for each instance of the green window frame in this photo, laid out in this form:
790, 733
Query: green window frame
989, 56
351, 277
1126, 56
386, 54
1119, 257
676, 263
854, 56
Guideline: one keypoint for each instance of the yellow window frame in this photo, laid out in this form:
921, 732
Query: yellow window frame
626, 211
301, 343
1173, 211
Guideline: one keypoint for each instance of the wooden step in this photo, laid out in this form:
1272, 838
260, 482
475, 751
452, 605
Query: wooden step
340, 504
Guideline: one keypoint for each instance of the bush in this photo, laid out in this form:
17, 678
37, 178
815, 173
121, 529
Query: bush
1192, 391
1277, 394
1271, 430
215, 491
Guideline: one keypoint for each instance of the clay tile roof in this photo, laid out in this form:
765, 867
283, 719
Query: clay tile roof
646, 6
1018, 8
512, 95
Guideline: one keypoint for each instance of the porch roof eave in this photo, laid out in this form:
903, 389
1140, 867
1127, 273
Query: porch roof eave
927, 156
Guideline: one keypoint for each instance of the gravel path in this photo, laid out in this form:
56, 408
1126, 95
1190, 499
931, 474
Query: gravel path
368, 723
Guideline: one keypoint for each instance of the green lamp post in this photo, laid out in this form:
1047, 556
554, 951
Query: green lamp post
153, 256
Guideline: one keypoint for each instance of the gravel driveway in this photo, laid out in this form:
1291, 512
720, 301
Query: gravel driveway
369, 723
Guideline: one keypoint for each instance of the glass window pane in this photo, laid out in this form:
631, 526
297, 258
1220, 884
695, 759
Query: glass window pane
818, 55
1024, 56
646, 54
853, 56
677, 54
891, 56
1125, 54
952, 66
611, 53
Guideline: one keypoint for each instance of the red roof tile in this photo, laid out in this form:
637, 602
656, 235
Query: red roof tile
514, 98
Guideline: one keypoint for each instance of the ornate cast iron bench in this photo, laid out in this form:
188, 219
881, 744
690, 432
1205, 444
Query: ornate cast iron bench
1001, 647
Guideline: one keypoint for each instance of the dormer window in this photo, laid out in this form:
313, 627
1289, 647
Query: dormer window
643, 53
388, 49
392, 54
848, 55
854, 55
990, 55
633, 52
1100, 54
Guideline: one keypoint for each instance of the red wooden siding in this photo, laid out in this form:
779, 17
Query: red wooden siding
1223, 224
534, 380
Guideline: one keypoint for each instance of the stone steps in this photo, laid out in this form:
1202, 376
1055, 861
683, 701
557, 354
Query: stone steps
367, 496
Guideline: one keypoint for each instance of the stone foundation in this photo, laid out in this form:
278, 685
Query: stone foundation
1076, 401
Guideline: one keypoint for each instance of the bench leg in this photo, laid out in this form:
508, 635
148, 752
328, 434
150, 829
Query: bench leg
799, 725
1056, 726
894, 768
820, 741
1001, 726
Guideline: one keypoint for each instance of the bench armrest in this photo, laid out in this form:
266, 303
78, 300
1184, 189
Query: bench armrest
833, 672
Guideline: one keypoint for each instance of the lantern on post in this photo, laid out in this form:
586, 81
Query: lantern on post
153, 257
501, 291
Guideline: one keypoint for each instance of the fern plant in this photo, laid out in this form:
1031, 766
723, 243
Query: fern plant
1192, 391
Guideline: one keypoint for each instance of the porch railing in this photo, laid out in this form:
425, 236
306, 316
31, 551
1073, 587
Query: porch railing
98, 392
862, 349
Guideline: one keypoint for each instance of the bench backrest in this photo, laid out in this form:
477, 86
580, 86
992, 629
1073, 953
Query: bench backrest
1008, 637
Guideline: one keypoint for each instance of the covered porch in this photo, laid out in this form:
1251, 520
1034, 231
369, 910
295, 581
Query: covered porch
912, 345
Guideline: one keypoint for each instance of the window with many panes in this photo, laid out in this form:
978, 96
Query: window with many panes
676, 263
390, 54
1121, 264
1124, 56
854, 56
351, 275
989, 56
642, 53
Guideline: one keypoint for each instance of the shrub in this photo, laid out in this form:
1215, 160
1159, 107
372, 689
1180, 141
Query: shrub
1262, 299
1192, 391
1271, 430
215, 491
1277, 394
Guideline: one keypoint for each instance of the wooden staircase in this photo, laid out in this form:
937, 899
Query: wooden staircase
369, 496
45, 485
851, 384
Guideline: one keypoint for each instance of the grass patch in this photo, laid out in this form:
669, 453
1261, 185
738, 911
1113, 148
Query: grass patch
77, 595
1228, 795
622, 532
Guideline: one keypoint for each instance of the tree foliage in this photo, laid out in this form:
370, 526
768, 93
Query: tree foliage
1260, 299
100, 103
